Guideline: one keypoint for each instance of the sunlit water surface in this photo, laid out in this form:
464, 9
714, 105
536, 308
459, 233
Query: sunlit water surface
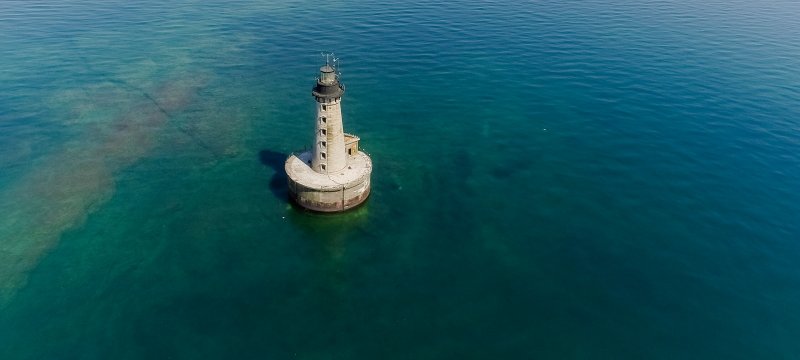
553, 179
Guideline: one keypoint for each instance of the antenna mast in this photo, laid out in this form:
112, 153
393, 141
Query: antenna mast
336, 65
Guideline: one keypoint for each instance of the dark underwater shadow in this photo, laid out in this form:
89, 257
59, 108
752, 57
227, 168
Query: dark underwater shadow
277, 184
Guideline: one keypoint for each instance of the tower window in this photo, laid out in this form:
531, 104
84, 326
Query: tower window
324, 132
324, 107
323, 119
322, 166
324, 143
322, 155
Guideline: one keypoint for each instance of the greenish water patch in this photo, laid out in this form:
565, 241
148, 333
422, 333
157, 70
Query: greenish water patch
571, 179
63, 188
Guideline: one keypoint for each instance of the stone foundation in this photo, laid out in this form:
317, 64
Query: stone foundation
333, 192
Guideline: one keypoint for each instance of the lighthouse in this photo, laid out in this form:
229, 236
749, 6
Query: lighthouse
329, 152
334, 175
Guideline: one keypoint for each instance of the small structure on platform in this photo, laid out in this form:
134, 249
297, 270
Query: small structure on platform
334, 175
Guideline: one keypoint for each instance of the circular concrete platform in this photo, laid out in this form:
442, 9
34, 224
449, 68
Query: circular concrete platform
337, 191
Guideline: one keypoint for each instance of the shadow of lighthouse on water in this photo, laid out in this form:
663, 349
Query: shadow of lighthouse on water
277, 184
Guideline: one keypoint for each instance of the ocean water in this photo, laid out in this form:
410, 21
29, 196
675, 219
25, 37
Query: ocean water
553, 179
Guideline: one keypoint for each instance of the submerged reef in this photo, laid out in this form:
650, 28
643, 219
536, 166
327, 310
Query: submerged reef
121, 124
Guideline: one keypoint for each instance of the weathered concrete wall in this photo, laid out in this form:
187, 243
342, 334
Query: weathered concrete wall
330, 201
356, 194
315, 199
330, 154
351, 144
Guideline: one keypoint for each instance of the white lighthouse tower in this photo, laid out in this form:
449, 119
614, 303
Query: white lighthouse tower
334, 175
329, 152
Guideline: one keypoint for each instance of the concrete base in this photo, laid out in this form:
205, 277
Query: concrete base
339, 191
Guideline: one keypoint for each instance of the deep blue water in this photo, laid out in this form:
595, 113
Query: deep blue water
553, 179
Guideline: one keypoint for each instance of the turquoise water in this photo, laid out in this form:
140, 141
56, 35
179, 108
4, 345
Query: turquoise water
553, 179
